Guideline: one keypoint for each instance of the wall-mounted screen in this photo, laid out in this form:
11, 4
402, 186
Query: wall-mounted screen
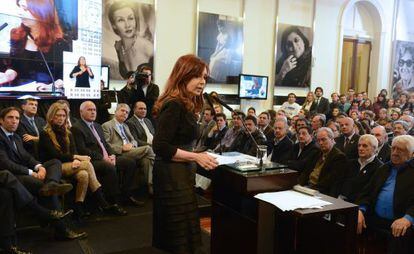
105, 78
50, 46
253, 87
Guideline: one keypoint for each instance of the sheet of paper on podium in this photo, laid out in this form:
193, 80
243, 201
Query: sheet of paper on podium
233, 157
291, 200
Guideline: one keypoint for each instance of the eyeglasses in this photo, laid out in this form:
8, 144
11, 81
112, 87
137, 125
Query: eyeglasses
409, 63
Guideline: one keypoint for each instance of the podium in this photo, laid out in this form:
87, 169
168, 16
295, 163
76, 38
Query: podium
234, 217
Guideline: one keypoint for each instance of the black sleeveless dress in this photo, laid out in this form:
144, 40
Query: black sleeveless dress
176, 225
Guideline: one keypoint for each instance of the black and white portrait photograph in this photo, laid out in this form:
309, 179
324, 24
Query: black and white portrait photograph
403, 68
128, 29
294, 56
220, 44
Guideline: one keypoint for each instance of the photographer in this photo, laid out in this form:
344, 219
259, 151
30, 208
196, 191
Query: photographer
151, 90
131, 92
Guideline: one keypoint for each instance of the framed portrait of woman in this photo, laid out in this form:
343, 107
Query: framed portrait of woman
220, 45
403, 68
293, 56
128, 32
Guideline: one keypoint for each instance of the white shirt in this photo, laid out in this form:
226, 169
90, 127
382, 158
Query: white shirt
291, 109
366, 162
150, 137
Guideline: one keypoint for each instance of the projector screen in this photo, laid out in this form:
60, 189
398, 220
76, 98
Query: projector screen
43, 42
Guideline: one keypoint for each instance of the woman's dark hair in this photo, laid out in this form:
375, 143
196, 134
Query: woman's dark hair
287, 32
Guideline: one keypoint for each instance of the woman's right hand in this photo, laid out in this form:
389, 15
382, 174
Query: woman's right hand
288, 65
206, 161
76, 164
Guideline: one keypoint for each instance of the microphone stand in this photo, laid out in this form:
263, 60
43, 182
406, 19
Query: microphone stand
244, 126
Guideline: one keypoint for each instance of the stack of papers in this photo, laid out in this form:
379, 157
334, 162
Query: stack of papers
291, 200
233, 157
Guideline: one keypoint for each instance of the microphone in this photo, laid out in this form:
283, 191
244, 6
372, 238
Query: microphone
222, 103
54, 93
3, 26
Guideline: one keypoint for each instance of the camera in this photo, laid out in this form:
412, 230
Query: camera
140, 78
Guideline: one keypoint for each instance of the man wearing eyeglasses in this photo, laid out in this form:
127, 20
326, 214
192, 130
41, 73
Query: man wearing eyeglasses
405, 75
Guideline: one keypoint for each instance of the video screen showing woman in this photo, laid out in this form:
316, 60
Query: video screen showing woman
294, 56
36, 42
82, 73
128, 36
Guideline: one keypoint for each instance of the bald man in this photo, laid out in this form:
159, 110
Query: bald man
347, 142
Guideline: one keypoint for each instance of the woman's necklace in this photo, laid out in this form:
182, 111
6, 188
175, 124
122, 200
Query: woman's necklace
125, 50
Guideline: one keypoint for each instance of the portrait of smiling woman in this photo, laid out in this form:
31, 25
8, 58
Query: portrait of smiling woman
294, 56
128, 36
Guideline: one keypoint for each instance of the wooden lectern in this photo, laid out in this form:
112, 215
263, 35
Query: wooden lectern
235, 210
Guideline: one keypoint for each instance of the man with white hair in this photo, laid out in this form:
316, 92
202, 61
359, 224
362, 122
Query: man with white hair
280, 148
410, 120
347, 142
361, 170
384, 149
387, 202
329, 170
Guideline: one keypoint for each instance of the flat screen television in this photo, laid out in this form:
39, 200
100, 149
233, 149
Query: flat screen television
69, 30
253, 86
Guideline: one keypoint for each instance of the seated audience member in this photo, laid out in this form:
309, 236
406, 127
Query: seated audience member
272, 114
207, 123
330, 167
40, 179
251, 111
14, 196
318, 121
382, 117
347, 142
410, 120
387, 202
309, 106
334, 101
395, 114
290, 106
334, 113
263, 125
137, 160
70, 119
244, 143
218, 132
384, 149
361, 170
322, 103
30, 125
280, 147
141, 128
334, 126
399, 128
303, 154
90, 141
56, 142
344, 105
232, 133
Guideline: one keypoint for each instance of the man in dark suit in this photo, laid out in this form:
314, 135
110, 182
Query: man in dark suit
206, 125
244, 143
362, 169
264, 125
305, 153
387, 202
218, 132
139, 159
384, 149
329, 170
30, 125
280, 148
40, 179
141, 127
90, 141
14, 196
322, 103
347, 142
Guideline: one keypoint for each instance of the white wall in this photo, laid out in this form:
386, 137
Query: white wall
176, 30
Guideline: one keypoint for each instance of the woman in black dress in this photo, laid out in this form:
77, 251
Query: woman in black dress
176, 226
82, 72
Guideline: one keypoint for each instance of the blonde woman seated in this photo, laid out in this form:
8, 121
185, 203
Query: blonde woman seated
56, 141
